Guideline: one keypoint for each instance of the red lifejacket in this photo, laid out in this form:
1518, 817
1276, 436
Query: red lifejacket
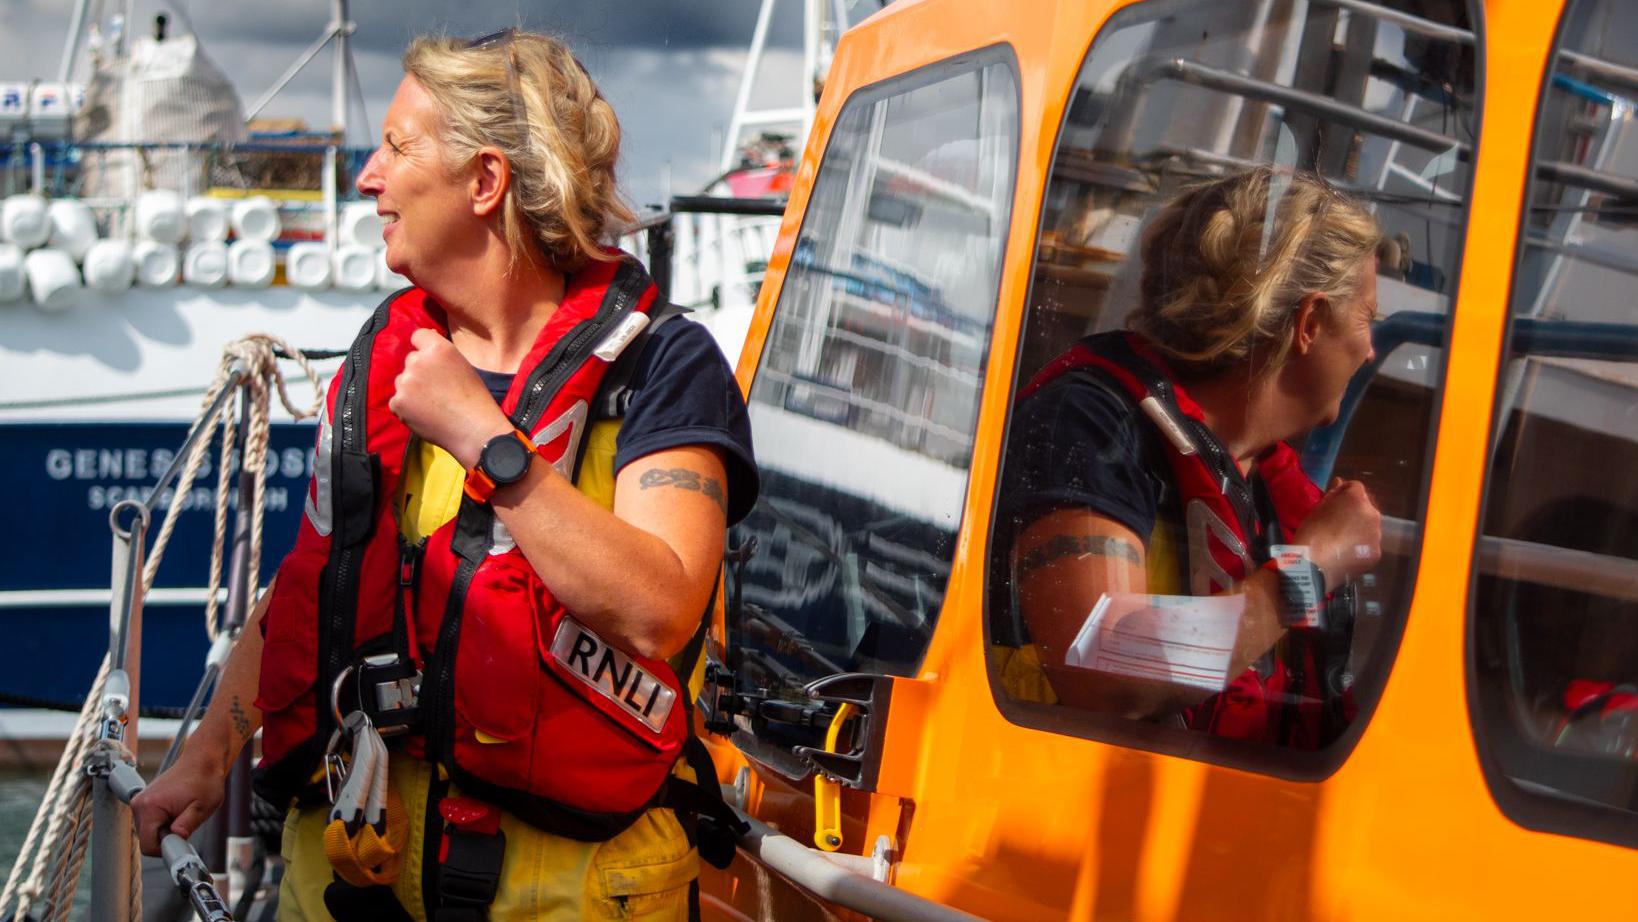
524, 707
1284, 702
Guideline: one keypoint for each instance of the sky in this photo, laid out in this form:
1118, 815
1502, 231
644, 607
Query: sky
671, 68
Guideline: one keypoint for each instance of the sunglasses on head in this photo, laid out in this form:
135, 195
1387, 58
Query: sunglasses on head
503, 40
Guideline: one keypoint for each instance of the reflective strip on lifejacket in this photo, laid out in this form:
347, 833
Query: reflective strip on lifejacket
613, 674
319, 504
573, 421
616, 342
1206, 574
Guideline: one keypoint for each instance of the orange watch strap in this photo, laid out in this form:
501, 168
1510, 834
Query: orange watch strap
479, 485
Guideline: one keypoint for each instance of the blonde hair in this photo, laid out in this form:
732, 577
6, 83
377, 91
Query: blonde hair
527, 95
1213, 294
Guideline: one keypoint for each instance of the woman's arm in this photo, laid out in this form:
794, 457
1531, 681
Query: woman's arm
186, 794
1067, 560
641, 576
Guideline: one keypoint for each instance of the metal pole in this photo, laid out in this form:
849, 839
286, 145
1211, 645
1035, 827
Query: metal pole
742, 99
71, 48
659, 257
241, 844
110, 818
294, 69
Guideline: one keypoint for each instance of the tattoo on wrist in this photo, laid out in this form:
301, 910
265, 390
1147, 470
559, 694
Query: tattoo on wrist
241, 720
685, 479
1058, 547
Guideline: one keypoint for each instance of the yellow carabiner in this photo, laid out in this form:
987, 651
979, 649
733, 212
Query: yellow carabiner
827, 794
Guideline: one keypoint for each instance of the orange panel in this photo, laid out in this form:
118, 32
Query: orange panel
1010, 822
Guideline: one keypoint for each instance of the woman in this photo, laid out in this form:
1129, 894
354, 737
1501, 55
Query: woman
488, 571
1155, 461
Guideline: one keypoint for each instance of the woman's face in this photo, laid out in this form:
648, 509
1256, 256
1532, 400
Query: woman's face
1344, 344
425, 210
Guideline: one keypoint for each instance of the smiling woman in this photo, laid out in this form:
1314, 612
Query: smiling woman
476, 478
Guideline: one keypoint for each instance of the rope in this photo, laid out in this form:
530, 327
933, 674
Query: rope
46, 873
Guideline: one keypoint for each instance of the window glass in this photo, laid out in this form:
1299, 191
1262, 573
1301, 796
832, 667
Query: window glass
866, 398
1150, 576
1556, 643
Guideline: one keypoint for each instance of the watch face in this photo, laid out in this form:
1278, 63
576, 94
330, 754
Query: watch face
504, 459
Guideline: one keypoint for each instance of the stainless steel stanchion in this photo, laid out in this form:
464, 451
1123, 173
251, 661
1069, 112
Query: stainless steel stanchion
111, 861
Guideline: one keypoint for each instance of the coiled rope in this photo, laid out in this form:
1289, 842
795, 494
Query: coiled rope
43, 879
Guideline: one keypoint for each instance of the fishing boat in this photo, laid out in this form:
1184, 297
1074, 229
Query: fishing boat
145, 226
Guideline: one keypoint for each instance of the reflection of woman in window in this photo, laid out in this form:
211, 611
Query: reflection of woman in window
1245, 336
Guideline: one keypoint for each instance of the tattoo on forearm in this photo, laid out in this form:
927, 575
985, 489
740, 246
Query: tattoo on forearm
685, 479
241, 721
1060, 546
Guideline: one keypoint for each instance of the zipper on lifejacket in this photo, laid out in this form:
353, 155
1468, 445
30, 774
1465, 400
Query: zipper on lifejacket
409, 579
527, 410
443, 656
526, 407
343, 594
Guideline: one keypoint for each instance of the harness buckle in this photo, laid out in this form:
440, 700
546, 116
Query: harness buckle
389, 690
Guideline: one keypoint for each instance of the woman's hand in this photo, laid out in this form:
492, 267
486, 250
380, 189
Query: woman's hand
178, 801
440, 398
1344, 532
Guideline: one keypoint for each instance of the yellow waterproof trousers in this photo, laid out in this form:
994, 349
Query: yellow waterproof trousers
643, 873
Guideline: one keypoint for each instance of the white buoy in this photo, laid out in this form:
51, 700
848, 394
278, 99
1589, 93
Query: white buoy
53, 279
108, 266
207, 219
13, 278
251, 263
206, 264
360, 225
355, 268
24, 221
256, 218
307, 265
156, 263
385, 278
73, 227
160, 216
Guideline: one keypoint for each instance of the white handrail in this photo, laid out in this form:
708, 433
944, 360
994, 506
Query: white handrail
828, 879
1531, 562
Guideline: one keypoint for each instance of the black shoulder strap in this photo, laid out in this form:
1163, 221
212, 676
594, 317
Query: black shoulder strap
614, 393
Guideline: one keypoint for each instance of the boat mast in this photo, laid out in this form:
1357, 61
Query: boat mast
817, 50
71, 47
341, 27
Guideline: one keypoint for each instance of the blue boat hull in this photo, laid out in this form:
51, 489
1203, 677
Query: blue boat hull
58, 482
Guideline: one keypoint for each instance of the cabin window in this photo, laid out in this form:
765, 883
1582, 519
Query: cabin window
1555, 603
866, 397
1155, 642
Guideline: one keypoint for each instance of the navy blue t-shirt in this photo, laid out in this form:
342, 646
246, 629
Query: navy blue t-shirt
1077, 443
682, 393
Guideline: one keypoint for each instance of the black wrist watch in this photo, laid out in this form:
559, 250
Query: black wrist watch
1302, 587
504, 459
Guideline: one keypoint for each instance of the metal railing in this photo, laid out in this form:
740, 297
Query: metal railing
655, 235
838, 879
114, 783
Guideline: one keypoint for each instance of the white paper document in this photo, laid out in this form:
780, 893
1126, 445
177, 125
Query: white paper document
1181, 639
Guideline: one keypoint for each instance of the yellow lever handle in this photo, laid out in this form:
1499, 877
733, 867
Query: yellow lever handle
827, 794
